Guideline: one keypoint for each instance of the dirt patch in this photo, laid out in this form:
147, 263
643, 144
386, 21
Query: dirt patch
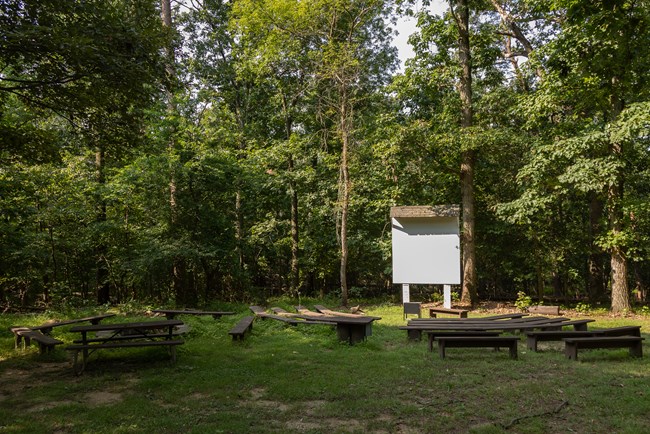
347, 425
271, 405
302, 425
48, 406
257, 393
99, 398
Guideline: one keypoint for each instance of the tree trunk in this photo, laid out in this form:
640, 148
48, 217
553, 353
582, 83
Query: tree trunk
596, 274
344, 193
469, 293
294, 270
620, 290
102, 287
295, 239
179, 266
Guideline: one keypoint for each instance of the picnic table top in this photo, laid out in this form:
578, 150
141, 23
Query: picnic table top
128, 325
50, 325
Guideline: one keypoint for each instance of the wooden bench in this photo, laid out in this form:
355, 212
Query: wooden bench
438, 334
26, 335
460, 313
532, 338
634, 343
238, 332
445, 342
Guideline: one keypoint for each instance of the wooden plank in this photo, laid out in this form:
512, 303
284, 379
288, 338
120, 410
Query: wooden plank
544, 310
99, 346
425, 211
478, 342
238, 332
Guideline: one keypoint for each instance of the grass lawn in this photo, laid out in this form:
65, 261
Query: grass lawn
283, 379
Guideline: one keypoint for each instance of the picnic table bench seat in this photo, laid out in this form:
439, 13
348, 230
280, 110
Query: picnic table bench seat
78, 367
445, 342
45, 342
572, 345
238, 332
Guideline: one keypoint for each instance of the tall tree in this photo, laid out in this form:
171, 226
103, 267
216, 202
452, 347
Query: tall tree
94, 65
460, 11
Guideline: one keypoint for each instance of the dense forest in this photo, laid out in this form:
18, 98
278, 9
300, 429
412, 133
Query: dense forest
186, 152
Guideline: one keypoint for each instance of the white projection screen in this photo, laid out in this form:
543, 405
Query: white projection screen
426, 245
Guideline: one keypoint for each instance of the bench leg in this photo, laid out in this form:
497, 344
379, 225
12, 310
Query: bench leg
513, 350
531, 343
172, 352
441, 349
414, 335
571, 350
637, 349
78, 367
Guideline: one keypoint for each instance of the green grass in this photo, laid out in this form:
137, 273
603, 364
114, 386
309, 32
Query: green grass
301, 379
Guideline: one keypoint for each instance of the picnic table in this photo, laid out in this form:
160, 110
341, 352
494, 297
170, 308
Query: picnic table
124, 335
172, 313
41, 333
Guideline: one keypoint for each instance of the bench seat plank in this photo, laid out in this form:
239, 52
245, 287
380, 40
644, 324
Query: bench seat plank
46, 343
438, 334
239, 330
128, 344
445, 342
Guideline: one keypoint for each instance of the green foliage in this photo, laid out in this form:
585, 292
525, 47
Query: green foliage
523, 301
